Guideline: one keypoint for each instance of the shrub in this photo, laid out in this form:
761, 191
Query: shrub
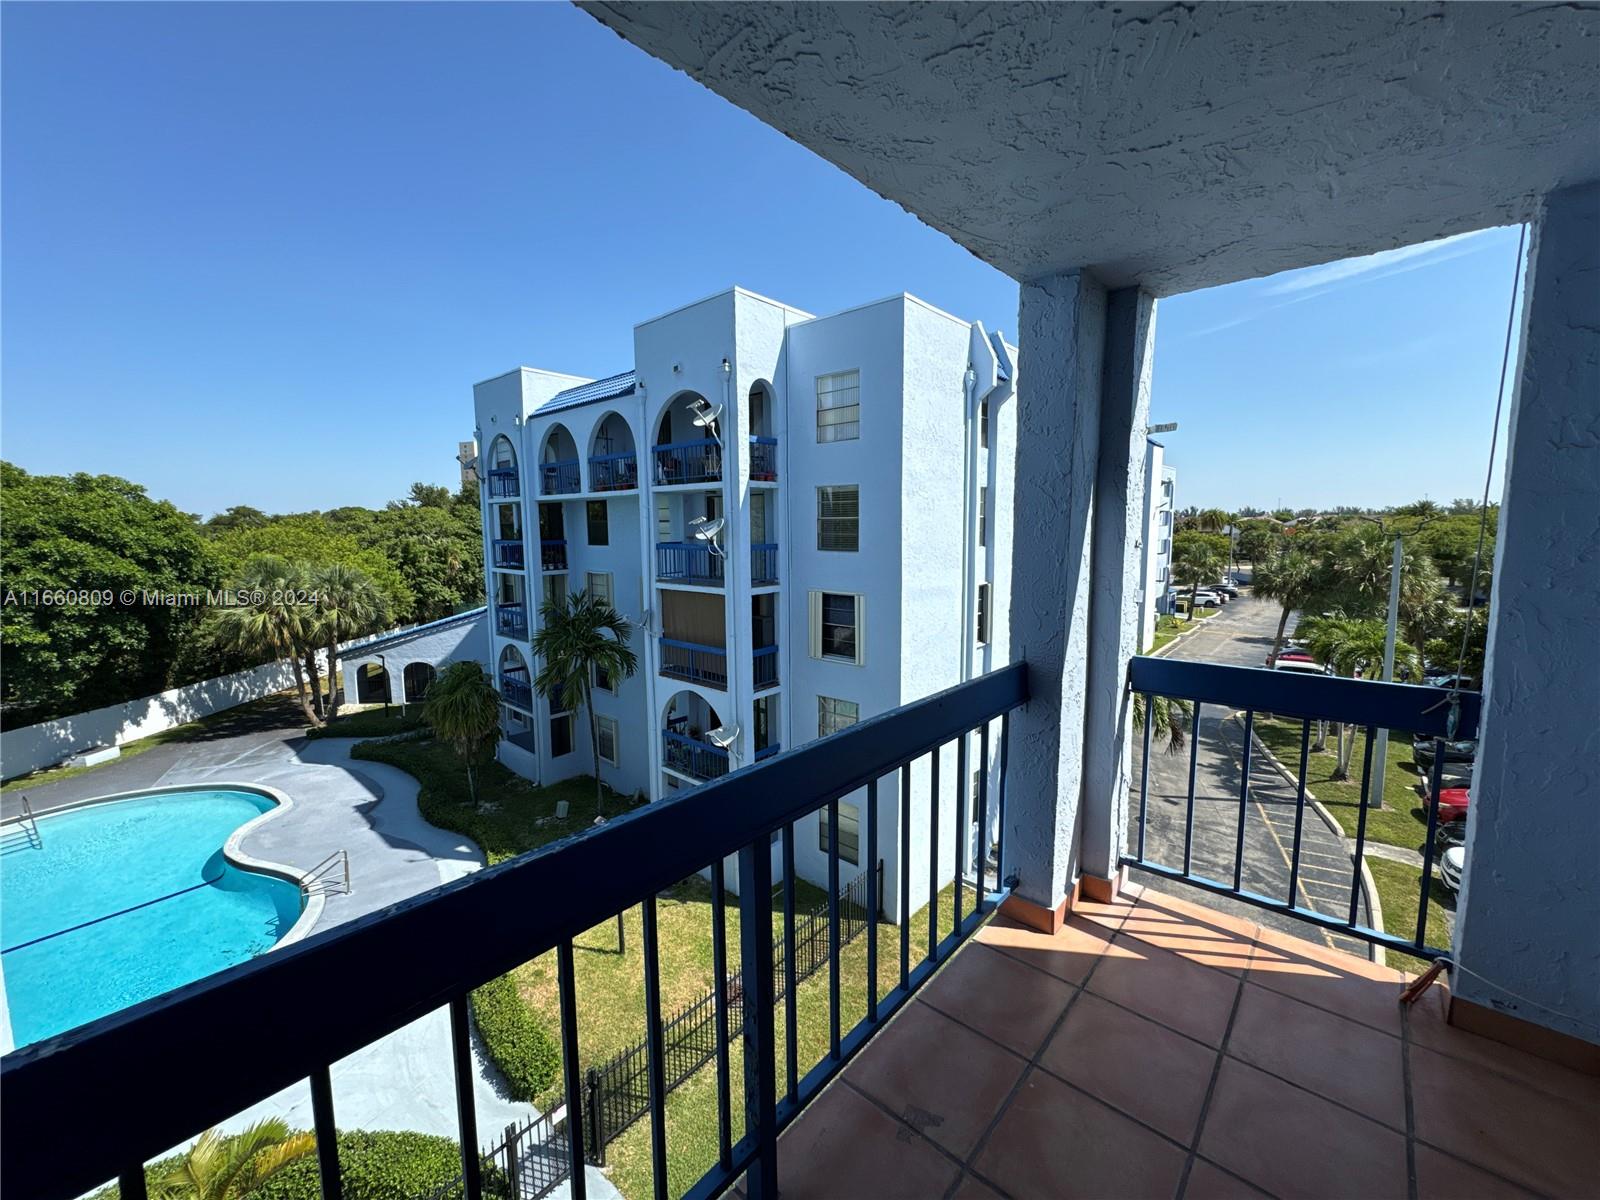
515, 1039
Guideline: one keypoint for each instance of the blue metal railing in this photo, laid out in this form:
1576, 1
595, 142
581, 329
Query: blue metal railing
766, 667
614, 472
516, 690
553, 554
768, 751
690, 756
511, 620
689, 562
508, 552
559, 478
764, 564
397, 964
764, 458
1300, 699
503, 483
694, 663
689, 462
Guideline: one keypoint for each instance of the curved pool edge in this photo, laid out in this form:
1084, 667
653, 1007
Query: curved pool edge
310, 912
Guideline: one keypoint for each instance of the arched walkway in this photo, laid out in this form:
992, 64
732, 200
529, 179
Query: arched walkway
419, 678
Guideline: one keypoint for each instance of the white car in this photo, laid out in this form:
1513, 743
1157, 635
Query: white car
1451, 866
1299, 667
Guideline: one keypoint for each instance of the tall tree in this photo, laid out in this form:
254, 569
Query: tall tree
582, 635
349, 604
1354, 647
1195, 563
464, 709
230, 1167
1291, 580
271, 621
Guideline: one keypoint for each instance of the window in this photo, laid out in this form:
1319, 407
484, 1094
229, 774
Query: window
603, 681
561, 736
606, 728
849, 832
555, 589
983, 425
839, 518
663, 519
983, 516
837, 624
839, 407
599, 585
599, 524
983, 614
834, 715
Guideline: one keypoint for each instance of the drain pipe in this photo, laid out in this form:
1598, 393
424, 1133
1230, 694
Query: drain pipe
730, 507
969, 475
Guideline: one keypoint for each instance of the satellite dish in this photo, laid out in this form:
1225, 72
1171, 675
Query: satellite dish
723, 736
706, 529
703, 414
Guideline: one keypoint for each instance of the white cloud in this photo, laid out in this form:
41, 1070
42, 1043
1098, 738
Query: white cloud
1382, 264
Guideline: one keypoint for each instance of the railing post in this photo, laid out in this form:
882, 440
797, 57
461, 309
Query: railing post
760, 1063
594, 1125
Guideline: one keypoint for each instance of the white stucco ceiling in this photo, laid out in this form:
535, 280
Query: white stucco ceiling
1174, 145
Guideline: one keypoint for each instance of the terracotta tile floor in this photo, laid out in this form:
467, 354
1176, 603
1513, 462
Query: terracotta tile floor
1154, 1048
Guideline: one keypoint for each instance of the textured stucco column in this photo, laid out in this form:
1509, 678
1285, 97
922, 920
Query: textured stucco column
1116, 566
1528, 930
1063, 321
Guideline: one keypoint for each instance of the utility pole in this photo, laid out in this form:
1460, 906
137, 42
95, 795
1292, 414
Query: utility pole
1380, 753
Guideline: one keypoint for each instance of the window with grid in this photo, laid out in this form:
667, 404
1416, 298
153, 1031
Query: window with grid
599, 523
834, 715
839, 406
849, 833
663, 519
555, 589
983, 614
983, 516
606, 730
836, 627
599, 585
603, 680
839, 517
983, 425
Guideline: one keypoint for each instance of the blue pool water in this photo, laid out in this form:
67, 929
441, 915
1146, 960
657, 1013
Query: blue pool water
118, 902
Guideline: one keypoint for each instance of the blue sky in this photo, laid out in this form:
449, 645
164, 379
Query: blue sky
258, 254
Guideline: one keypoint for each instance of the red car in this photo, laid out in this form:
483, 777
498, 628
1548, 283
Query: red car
1453, 804
1293, 654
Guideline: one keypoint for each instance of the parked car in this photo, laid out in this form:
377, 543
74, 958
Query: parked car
1464, 682
1299, 667
1208, 599
1451, 867
1453, 803
1226, 589
1422, 751
1295, 654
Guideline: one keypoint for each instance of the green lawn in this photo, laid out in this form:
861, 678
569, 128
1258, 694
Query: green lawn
1401, 821
371, 721
1399, 889
1167, 628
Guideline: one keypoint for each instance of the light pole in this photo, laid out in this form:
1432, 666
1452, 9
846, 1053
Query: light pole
1381, 750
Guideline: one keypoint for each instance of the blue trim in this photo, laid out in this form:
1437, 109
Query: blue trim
764, 664
690, 756
689, 562
694, 663
560, 478
699, 461
354, 654
612, 387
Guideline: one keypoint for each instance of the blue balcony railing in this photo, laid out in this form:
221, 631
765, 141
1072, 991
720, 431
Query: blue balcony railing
689, 462
766, 667
503, 483
694, 663
391, 966
559, 478
763, 564
764, 459
690, 756
614, 472
1164, 842
768, 751
511, 620
508, 553
516, 690
553, 554
688, 562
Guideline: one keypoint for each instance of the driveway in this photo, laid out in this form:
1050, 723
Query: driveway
1241, 635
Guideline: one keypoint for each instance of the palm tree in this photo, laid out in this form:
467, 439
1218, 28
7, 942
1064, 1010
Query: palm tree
579, 636
1167, 715
1291, 579
464, 709
274, 626
348, 605
1194, 565
227, 1167
1212, 520
1354, 647
1361, 565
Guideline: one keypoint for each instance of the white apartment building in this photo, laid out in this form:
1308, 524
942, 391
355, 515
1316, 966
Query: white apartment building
803, 518
1155, 579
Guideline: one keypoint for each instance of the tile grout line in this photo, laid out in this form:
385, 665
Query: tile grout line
1410, 1103
1211, 1091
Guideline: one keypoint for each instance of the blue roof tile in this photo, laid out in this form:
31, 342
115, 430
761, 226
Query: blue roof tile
610, 388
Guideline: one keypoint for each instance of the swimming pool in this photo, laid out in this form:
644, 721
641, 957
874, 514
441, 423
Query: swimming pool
121, 900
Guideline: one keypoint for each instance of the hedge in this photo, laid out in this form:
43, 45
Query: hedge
515, 1039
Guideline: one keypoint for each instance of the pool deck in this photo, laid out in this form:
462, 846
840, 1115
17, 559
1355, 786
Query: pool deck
370, 811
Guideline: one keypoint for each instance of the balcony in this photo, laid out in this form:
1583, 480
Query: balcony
516, 689
688, 562
560, 478
511, 620
698, 461
765, 662
694, 663
764, 564
508, 553
503, 483
614, 472
764, 459
553, 554
692, 757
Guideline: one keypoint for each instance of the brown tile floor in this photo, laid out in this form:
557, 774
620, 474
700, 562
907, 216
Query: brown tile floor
1154, 1048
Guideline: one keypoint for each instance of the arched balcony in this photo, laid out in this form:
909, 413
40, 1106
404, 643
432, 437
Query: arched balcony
613, 459
516, 685
559, 472
684, 451
503, 480
685, 747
